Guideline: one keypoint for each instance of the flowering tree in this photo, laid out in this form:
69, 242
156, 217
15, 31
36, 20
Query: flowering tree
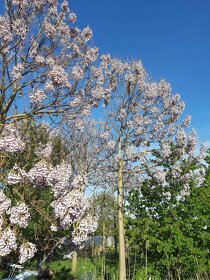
46, 68
143, 118
22, 200
87, 153
45, 63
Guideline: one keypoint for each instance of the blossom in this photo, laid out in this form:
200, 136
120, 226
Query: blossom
186, 190
59, 179
86, 226
5, 31
16, 175
53, 228
191, 141
38, 174
158, 175
77, 73
44, 151
17, 71
5, 202
19, 215
27, 251
181, 138
186, 121
7, 242
69, 207
165, 149
72, 17
10, 141
11, 144
87, 34
58, 76
176, 171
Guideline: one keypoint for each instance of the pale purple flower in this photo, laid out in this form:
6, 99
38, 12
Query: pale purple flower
17, 71
87, 34
72, 17
5, 202
77, 73
53, 228
69, 207
38, 175
16, 175
8, 242
27, 251
44, 151
19, 215
87, 226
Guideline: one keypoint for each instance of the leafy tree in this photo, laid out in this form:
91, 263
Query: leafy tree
170, 223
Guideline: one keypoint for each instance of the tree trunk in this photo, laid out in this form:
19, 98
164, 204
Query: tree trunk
115, 232
103, 253
74, 263
122, 263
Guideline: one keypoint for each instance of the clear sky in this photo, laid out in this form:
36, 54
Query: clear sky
172, 38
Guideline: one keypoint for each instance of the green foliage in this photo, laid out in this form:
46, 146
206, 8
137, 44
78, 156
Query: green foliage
170, 234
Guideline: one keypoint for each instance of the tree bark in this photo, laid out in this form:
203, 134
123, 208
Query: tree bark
74, 263
121, 232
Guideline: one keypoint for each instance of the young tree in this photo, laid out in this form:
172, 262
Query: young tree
143, 117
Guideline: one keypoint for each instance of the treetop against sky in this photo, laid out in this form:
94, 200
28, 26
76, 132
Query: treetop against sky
170, 37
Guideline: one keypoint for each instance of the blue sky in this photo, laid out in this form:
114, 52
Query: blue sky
172, 38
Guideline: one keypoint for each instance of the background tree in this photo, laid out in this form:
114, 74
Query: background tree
142, 117
169, 220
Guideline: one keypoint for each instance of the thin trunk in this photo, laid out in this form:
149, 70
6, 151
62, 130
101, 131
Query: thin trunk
103, 252
115, 232
122, 263
74, 263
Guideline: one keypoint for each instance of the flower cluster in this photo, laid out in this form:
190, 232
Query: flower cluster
19, 215
38, 174
86, 226
5, 202
37, 97
7, 242
10, 141
69, 207
44, 151
27, 251
16, 175
17, 71
59, 179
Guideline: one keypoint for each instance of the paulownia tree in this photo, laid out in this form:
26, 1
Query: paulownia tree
143, 118
87, 152
46, 71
